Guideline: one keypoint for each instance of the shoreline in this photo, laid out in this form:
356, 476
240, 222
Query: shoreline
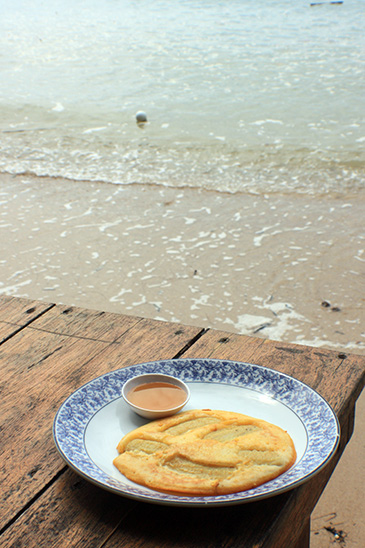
357, 193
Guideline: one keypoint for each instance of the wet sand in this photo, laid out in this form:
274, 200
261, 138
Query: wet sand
287, 268
279, 267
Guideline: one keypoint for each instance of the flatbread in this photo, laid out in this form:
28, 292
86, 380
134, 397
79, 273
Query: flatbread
205, 452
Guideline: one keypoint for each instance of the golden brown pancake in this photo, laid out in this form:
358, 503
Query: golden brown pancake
204, 452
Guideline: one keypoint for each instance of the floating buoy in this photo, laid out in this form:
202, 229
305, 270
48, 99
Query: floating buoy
141, 117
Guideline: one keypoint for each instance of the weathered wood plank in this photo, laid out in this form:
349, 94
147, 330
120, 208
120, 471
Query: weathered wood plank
223, 345
7, 330
17, 311
247, 525
319, 368
39, 370
89, 324
149, 341
88, 518
37, 375
304, 540
338, 377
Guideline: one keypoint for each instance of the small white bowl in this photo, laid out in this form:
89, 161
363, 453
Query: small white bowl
151, 378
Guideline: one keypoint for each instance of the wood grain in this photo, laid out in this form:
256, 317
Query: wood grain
39, 370
226, 346
7, 330
15, 310
148, 341
37, 375
319, 368
89, 516
88, 324
246, 525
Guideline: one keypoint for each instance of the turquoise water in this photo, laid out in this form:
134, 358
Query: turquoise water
240, 95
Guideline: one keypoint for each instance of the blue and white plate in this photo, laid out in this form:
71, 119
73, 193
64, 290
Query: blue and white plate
91, 422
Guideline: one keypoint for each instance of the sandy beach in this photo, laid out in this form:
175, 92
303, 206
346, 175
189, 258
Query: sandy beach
283, 267
280, 267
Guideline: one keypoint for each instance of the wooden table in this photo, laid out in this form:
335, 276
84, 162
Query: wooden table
48, 351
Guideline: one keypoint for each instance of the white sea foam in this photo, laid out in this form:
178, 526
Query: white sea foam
58, 107
244, 106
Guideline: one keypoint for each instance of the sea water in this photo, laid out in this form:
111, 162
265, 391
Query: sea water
240, 95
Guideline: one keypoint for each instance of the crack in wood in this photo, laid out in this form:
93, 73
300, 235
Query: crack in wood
26, 324
190, 343
33, 499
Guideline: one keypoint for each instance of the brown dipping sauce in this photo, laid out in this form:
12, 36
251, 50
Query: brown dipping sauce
157, 396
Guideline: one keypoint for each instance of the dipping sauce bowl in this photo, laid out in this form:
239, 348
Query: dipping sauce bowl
154, 395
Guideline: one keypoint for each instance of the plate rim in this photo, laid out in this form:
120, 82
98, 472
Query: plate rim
155, 497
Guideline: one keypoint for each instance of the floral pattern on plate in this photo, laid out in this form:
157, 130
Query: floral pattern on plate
318, 421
